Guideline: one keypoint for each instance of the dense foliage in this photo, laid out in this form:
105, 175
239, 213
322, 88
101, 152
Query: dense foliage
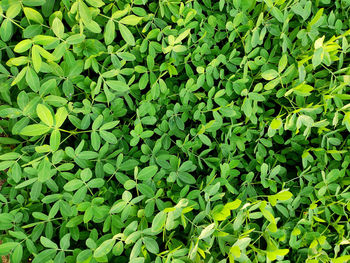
174, 131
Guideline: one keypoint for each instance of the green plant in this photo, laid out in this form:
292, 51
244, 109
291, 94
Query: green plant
174, 131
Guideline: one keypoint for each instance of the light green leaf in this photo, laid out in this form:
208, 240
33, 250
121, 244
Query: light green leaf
33, 15
109, 125
84, 13
109, 33
6, 248
58, 27
269, 74
282, 63
277, 14
104, 248
44, 114
127, 35
207, 231
55, 140
36, 58
205, 139
131, 20
6, 30
117, 85
32, 79
284, 195
276, 123
34, 130
147, 173
151, 245
60, 116
73, 185
158, 221
23, 45
47, 243
13, 10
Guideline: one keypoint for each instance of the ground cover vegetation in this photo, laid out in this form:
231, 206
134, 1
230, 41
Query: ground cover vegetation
174, 131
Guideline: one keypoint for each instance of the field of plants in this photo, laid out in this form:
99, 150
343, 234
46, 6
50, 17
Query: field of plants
174, 131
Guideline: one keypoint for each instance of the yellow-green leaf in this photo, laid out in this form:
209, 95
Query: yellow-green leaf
60, 116
33, 15
23, 45
36, 58
127, 35
276, 123
34, 130
44, 114
58, 27
131, 20
284, 195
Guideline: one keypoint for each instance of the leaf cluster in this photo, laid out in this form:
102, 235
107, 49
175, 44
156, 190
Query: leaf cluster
174, 131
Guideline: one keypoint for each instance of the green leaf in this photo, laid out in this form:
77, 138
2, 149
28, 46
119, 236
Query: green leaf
33, 2
58, 27
44, 114
205, 139
159, 221
87, 155
104, 248
276, 123
151, 245
9, 156
60, 116
6, 30
269, 74
45, 256
145, 190
109, 33
75, 39
108, 137
147, 173
36, 58
13, 10
84, 13
127, 35
97, 122
109, 125
17, 254
96, 183
117, 85
315, 18
95, 141
284, 195
48, 243
317, 58
65, 241
32, 79
34, 130
187, 178
5, 165
277, 14
333, 176
73, 185
96, 3
303, 90
233, 205
131, 20
23, 45
55, 140
207, 231
282, 63
220, 213
26, 183
33, 15
6, 248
